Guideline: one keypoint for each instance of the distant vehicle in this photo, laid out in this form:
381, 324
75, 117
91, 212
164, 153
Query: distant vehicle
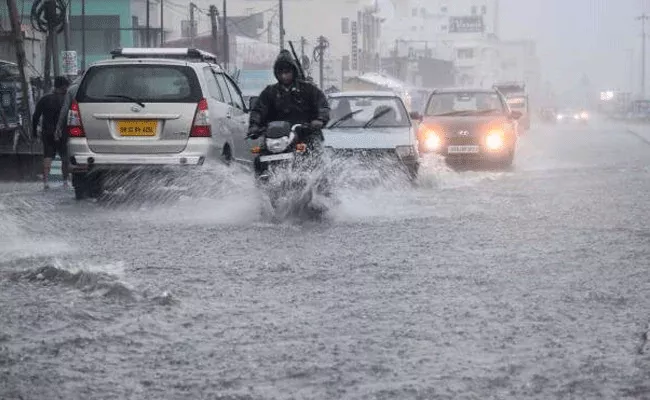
517, 98
573, 116
470, 124
548, 114
372, 126
153, 109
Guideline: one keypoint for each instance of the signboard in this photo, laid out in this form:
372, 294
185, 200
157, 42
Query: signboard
468, 24
70, 63
354, 57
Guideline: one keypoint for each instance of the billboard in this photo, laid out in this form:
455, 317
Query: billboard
354, 35
467, 24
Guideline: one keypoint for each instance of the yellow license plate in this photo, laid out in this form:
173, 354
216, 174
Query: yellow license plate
137, 127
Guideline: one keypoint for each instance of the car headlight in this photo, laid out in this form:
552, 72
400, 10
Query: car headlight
278, 145
431, 140
560, 117
494, 140
405, 151
576, 116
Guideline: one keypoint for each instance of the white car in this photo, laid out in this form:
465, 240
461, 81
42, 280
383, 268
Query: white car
372, 125
153, 109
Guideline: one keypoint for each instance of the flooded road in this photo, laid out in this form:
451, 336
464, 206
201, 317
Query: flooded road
531, 283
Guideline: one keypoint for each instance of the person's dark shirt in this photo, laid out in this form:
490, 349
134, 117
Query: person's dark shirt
49, 108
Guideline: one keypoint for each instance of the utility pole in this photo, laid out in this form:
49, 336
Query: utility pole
214, 14
20, 58
83, 35
643, 18
319, 55
192, 6
66, 28
303, 42
281, 17
162, 23
226, 39
148, 31
55, 40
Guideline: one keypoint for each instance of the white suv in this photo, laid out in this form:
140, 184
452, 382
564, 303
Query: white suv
153, 109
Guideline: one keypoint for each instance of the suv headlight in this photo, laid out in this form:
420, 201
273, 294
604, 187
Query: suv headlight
278, 145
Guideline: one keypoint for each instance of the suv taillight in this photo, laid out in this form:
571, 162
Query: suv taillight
75, 128
201, 126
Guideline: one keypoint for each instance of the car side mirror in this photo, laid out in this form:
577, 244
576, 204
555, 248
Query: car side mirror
252, 101
516, 114
416, 116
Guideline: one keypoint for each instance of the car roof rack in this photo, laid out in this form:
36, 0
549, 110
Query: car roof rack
177, 53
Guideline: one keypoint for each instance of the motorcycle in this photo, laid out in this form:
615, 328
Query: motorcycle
288, 169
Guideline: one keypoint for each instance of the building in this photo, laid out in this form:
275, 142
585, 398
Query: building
351, 28
462, 31
519, 62
108, 25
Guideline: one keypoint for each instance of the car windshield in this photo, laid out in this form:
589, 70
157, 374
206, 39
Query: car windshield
464, 103
144, 83
368, 112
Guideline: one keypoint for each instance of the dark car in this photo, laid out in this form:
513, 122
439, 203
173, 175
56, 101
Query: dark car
469, 124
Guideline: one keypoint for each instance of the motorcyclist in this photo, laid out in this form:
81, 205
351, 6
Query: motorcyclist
292, 99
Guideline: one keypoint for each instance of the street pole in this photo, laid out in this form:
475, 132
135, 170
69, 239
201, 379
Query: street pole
66, 28
643, 18
226, 39
162, 23
148, 31
214, 28
281, 17
322, 44
192, 5
55, 44
83, 35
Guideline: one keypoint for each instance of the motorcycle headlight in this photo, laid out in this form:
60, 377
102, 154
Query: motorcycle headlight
584, 115
278, 145
495, 140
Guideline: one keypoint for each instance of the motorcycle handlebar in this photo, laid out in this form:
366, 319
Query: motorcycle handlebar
294, 128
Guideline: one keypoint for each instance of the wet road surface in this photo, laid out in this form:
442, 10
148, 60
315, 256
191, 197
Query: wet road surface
532, 283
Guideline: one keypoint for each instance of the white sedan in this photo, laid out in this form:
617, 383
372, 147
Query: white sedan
372, 125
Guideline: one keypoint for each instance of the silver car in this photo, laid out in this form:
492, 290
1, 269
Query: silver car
372, 125
153, 109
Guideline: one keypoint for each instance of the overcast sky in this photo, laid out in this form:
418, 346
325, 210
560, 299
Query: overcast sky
596, 37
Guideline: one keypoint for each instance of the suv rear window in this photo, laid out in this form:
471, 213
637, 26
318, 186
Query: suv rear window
146, 83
